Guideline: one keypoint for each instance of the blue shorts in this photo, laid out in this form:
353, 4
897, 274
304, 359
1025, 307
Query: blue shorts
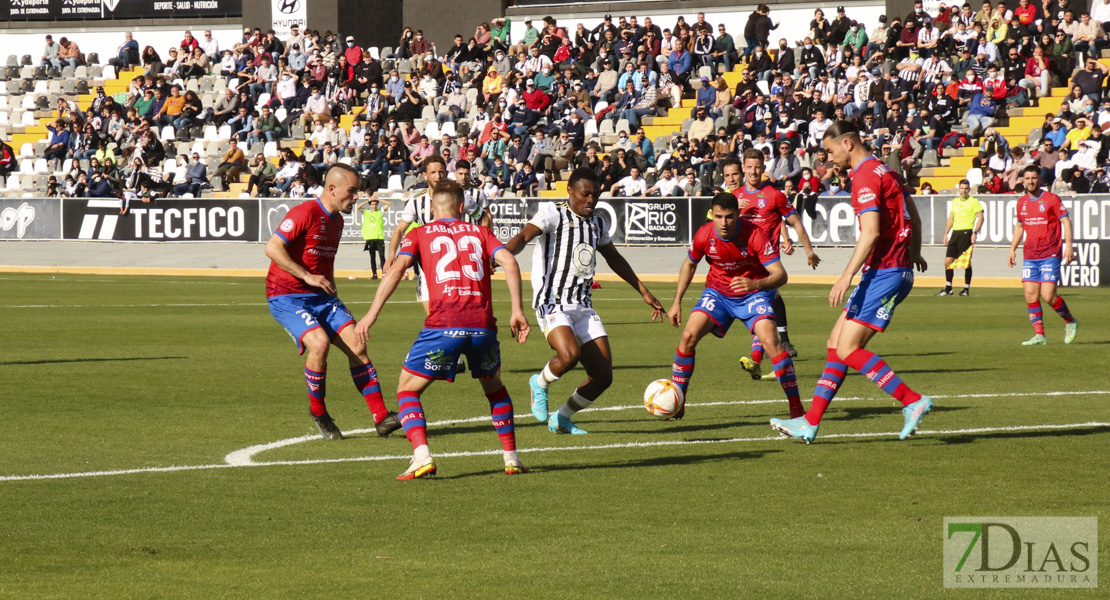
872, 302
434, 353
723, 310
1043, 270
301, 314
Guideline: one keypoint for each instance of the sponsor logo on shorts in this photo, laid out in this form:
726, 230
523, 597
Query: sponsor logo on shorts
437, 361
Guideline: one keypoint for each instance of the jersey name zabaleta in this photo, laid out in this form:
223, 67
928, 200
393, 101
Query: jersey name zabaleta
1040, 217
767, 208
876, 187
454, 256
565, 256
745, 255
311, 237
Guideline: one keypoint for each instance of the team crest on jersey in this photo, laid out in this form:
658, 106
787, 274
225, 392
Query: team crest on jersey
1041, 207
323, 219
762, 202
286, 225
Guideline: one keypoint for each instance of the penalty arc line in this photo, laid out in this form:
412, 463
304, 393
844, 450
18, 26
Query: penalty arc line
245, 456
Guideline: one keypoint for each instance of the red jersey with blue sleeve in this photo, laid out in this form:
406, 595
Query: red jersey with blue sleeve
767, 208
311, 235
876, 187
454, 256
745, 255
1040, 216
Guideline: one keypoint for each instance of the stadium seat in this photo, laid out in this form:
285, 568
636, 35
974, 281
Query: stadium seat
12, 73
82, 87
255, 148
233, 82
219, 85
763, 87
198, 147
263, 99
428, 114
26, 85
387, 51
28, 119
96, 72
67, 166
1035, 135
42, 103
929, 159
192, 86
211, 133
108, 72
448, 128
404, 68
170, 165
28, 102
41, 166
472, 96
68, 72
607, 127
3, 116
92, 58
345, 160
167, 134
68, 88
224, 133
280, 114
13, 61
270, 150
975, 178
13, 182
54, 87
374, 52
395, 183
206, 84
27, 167
81, 72
622, 125
431, 130
26, 60
39, 74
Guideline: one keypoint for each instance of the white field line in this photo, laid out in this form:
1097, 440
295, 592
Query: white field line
244, 457
470, 453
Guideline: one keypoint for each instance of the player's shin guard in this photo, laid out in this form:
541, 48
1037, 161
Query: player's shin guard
366, 380
784, 371
827, 386
316, 382
501, 412
757, 350
873, 367
1061, 309
1036, 317
411, 413
682, 369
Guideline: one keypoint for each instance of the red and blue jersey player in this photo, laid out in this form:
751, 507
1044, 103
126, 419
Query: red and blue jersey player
300, 288
888, 248
455, 255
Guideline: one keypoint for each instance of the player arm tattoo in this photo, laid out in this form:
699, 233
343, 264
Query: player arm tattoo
276, 251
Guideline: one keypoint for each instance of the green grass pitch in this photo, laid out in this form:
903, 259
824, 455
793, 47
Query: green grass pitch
103, 374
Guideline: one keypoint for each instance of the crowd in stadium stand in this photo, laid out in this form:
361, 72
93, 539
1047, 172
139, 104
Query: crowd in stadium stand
522, 112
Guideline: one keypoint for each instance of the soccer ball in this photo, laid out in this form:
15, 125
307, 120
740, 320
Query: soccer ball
663, 399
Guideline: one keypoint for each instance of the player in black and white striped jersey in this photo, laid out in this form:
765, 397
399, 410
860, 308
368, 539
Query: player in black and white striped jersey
418, 212
568, 238
474, 206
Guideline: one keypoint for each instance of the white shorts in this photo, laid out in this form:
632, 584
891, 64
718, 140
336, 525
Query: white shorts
584, 322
